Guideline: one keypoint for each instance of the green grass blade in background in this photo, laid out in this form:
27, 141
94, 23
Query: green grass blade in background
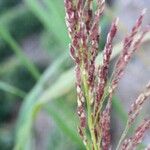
119, 109
12, 14
58, 6
19, 53
9, 65
39, 88
25, 116
64, 125
50, 21
34, 105
52, 7
11, 89
63, 85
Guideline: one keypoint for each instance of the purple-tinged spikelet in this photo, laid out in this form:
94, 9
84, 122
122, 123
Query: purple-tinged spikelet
133, 113
105, 128
125, 144
132, 143
138, 104
103, 70
71, 19
80, 105
139, 133
129, 46
102, 80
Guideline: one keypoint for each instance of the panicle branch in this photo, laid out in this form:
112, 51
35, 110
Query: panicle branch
133, 113
129, 47
103, 70
100, 87
137, 138
138, 104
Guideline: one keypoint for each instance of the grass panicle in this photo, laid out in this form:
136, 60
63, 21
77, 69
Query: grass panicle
92, 84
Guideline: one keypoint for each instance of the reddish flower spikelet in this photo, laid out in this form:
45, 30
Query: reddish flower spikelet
80, 105
139, 133
138, 104
129, 46
73, 53
94, 30
98, 13
88, 14
71, 19
137, 138
93, 37
125, 144
103, 71
105, 128
133, 113
78, 19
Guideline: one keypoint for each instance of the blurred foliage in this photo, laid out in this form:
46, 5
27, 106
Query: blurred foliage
20, 22
65, 112
23, 81
6, 4
6, 139
6, 107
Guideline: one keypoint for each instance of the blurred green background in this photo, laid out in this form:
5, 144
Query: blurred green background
37, 95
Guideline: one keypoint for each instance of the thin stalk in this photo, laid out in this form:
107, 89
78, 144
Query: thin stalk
88, 146
24, 123
90, 120
123, 135
102, 101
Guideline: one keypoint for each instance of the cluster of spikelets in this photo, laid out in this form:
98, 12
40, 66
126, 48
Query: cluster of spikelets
93, 86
